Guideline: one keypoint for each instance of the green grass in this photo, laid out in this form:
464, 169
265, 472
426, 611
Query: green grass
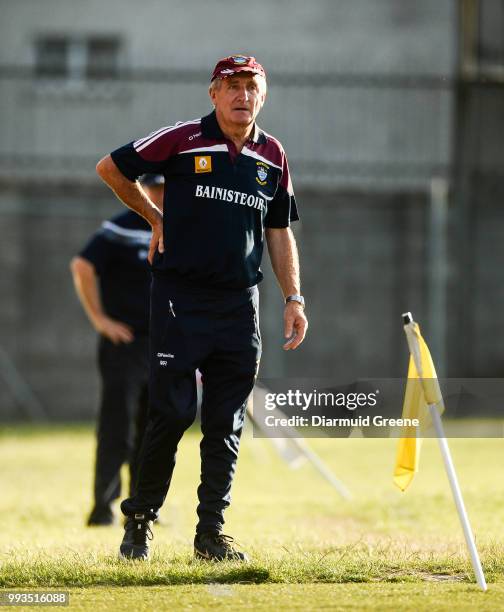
310, 549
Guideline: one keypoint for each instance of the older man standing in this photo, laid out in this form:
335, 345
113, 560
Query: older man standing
228, 185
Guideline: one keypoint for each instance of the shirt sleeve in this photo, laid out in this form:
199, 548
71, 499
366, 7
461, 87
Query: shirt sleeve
97, 252
148, 155
282, 210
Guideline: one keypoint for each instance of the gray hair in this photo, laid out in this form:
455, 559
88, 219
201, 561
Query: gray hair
216, 84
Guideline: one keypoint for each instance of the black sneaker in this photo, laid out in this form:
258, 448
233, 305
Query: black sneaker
101, 517
217, 547
137, 534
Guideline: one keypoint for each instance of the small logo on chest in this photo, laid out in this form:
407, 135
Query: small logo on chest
202, 163
262, 173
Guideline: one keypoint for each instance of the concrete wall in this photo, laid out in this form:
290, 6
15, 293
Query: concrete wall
364, 36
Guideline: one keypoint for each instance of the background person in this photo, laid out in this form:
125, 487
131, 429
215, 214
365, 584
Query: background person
112, 279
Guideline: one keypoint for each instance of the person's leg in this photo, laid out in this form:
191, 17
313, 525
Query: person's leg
228, 378
177, 342
172, 410
113, 431
139, 428
141, 416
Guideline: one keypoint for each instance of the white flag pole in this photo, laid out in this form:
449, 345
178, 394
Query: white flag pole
447, 459
457, 496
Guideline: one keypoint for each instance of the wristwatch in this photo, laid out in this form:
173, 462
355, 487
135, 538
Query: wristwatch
295, 298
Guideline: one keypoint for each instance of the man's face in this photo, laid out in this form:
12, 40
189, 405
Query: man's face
239, 98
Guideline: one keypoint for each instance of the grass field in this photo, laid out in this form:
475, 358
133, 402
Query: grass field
310, 550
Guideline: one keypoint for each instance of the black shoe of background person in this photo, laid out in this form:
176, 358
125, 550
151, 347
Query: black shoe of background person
137, 535
101, 517
217, 547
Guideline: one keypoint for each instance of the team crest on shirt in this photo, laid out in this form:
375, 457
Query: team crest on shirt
262, 173
202, 163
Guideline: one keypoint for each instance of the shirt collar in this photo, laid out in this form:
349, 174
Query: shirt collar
210, 128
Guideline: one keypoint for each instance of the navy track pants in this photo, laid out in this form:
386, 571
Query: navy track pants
218, 332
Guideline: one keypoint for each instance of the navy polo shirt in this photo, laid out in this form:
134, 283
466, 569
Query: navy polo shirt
118, 252
217, 202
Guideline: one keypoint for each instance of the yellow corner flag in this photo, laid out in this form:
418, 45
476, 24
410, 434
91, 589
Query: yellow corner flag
422, 389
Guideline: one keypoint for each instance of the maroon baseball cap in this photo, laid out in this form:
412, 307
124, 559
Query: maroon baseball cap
228, 66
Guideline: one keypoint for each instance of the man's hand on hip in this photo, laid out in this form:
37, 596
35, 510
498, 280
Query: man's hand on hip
156, 242
295, 325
